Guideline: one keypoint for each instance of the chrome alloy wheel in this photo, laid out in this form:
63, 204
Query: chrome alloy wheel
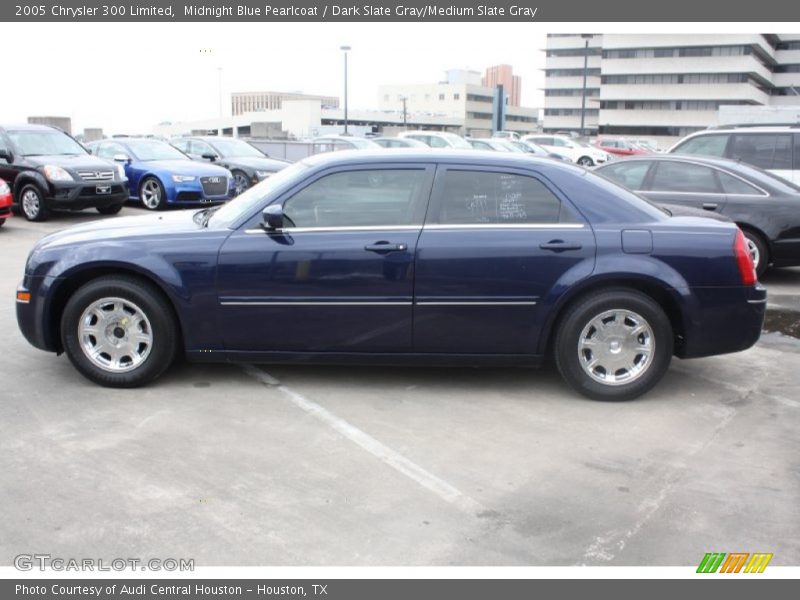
240, 183
30, 203
616, 347
115, 335
752, 248
151, 194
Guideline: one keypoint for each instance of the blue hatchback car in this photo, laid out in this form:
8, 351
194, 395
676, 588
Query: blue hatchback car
409, 257
160, 175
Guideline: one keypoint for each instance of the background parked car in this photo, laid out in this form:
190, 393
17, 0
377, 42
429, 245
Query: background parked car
494, 145
773, 148
161, 175
5, 202
620, 147
48, 169
577, 152
766, 207
248, 165
537, 150
437, 139
397, 142
335, 143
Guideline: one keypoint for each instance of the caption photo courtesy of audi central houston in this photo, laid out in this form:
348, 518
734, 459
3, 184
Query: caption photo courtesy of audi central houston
486, 296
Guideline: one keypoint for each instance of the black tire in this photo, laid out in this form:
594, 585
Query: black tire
578, 318
111, 209
2, 222
31, 203
585, 161
163, 330
759, 250
240, 176
156, 185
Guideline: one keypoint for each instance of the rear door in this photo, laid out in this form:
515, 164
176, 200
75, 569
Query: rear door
494, 244
686, 184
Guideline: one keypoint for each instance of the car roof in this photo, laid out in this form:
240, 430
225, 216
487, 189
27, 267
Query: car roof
436, 155
29, 127
746, 127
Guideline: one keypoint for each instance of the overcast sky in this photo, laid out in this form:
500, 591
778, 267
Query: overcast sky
128, 77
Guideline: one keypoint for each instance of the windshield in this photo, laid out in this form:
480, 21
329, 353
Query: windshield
249, 201
146, 150
45, 142
231, 147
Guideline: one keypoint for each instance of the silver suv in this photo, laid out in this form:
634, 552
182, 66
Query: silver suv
775, 148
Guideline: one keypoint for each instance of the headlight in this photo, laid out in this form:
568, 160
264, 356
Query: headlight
121, 172
183, 178
54, 173
263, 174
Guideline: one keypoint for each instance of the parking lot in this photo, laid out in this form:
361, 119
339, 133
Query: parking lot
306, 465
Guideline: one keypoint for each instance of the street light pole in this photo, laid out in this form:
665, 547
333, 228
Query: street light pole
405, 113
345, 49
219, 81
587, 37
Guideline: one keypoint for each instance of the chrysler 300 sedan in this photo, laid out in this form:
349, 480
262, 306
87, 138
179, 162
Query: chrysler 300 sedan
410, 257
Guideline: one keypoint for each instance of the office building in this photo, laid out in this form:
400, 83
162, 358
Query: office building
245, 102
504, 75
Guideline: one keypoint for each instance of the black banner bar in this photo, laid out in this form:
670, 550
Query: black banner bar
398, 10
728, 587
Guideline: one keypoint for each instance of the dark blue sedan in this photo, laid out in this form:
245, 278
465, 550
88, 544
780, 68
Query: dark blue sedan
444, 257
160, 175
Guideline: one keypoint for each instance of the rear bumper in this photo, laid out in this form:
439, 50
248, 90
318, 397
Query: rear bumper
723, 320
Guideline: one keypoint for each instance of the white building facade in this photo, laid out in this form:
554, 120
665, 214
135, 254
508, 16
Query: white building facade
665, 86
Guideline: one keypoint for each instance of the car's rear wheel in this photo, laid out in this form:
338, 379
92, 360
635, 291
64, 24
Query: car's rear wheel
152, 194
615, 345
240, 182
31, 203
758, 251
119, 332
2, 222
111, 209
585, 161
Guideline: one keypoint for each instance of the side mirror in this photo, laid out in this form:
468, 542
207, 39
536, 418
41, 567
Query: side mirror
272, 217
210, 156
123, 158
7, 155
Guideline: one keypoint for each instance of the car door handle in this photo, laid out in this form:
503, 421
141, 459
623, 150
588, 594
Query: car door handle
560, 246
384, 247
710, 205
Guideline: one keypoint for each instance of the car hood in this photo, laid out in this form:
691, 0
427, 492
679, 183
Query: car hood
154, 225
255, 162
186, 167
70, 161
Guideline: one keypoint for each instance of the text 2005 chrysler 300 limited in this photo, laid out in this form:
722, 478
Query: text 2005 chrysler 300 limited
404, 257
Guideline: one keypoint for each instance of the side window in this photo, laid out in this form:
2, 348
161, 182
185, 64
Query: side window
200, 148
629, 174
484, 197
683, 177
706, 145
558, 142
765, 150
481, 145
109, 150
358, 199
437, 142
182, 145
734, 185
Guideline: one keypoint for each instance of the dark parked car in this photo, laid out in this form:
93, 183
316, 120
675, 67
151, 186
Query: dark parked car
48, 169
161, 175
247, 164
405, 257
765, 206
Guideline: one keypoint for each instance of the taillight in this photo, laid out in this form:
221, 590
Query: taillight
747, 270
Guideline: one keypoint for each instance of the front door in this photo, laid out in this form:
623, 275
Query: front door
339, 276
495, 244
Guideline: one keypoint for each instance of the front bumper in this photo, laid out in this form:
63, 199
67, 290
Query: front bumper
725, 320
77, 195
194, 192
32, 316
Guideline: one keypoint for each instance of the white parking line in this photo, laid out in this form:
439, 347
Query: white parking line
397, 461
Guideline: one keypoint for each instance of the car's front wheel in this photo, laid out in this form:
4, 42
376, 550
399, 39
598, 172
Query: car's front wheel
152, 194
119, 332
31, 203
614, 345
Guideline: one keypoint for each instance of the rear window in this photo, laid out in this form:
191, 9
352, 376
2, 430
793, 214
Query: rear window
705, 145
